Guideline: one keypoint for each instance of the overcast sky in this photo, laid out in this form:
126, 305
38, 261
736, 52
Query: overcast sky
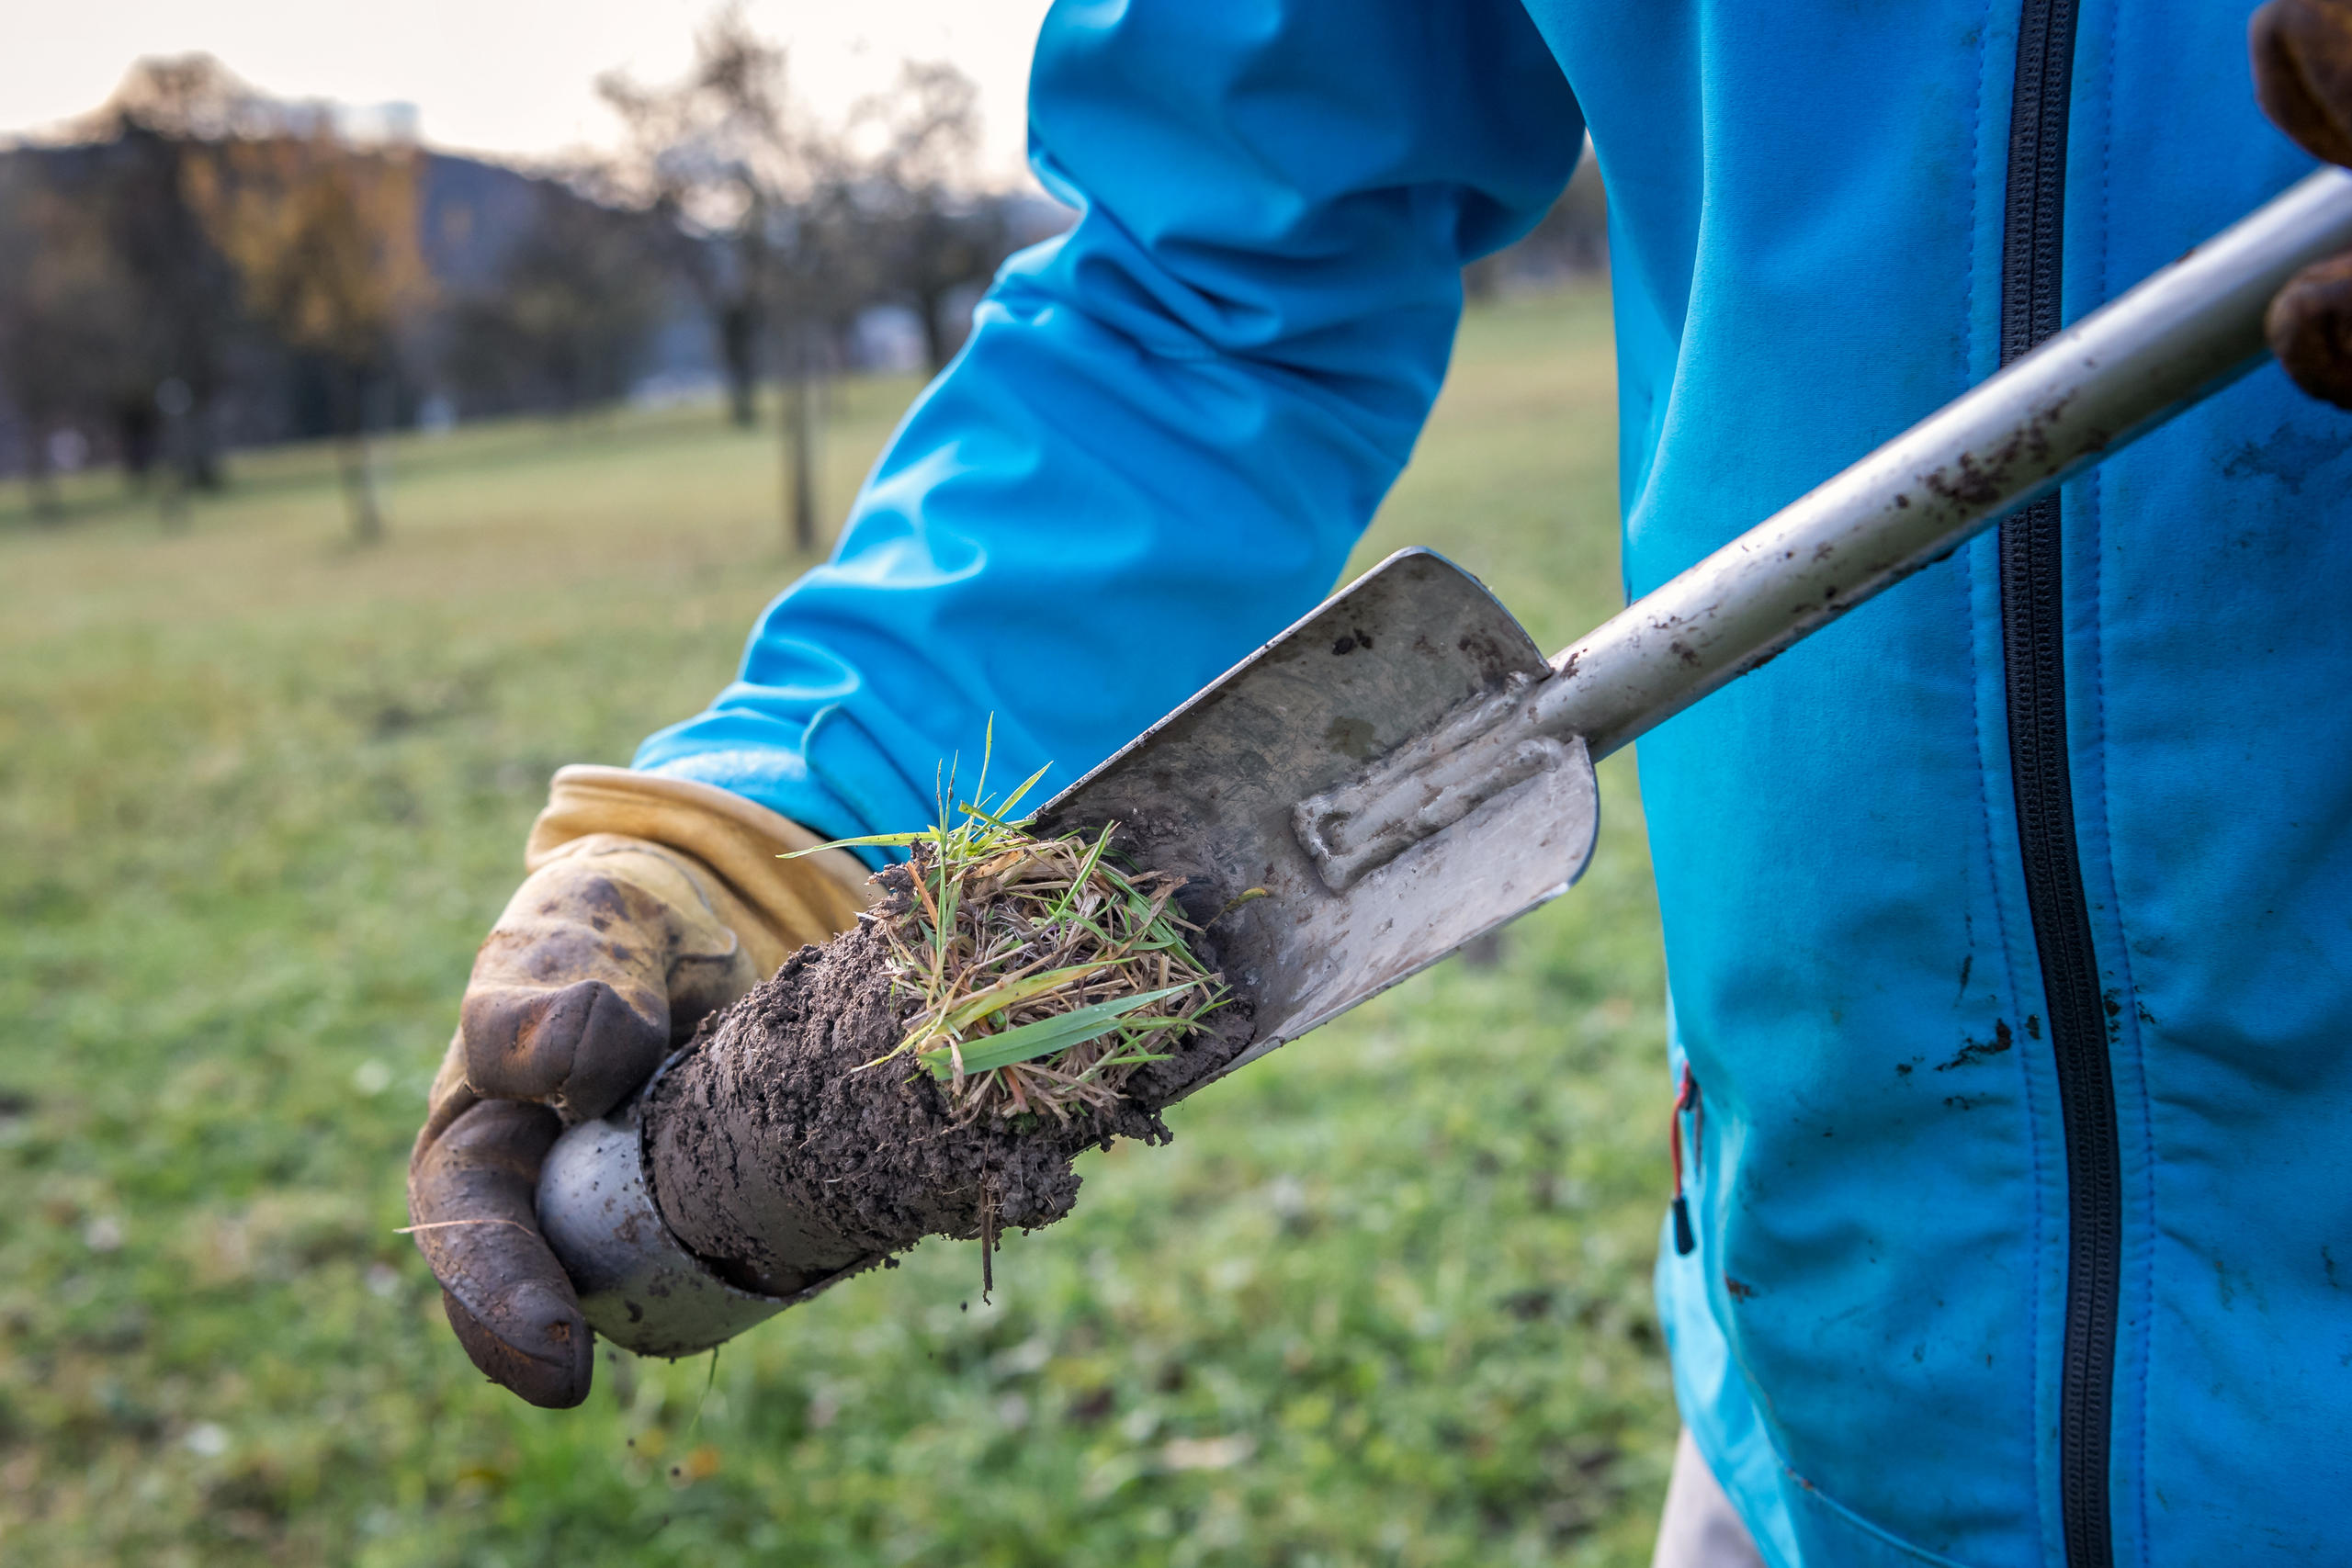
505, 76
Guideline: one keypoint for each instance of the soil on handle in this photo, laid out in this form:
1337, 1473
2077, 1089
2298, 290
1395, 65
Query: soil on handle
782, 1154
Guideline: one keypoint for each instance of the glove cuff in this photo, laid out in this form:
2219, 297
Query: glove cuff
781, 905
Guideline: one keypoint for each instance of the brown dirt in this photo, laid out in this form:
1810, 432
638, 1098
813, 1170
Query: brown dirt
780, 1163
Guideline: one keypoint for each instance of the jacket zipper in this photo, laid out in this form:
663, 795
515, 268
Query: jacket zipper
1686, 1101
2033, 650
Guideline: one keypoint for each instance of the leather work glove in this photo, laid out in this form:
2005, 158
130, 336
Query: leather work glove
2302, 75
649, 903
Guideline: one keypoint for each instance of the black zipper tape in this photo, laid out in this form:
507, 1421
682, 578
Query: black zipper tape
2034, 656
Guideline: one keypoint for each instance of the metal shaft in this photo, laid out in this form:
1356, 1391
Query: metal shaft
2182, 334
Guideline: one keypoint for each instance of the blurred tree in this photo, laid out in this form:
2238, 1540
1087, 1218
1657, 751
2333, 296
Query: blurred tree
62, 338
323, 236
568, 321
178, 294
822, 273
713, 155
932, 233
756, 191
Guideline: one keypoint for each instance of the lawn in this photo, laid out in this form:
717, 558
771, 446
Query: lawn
1384, 1300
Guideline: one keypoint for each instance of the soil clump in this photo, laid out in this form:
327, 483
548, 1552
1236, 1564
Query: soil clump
782, 1157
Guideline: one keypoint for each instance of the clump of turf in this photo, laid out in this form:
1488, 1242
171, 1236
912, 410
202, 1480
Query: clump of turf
1015, 998
1042, 973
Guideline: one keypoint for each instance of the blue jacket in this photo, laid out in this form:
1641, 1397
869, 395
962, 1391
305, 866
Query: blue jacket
2023, 1148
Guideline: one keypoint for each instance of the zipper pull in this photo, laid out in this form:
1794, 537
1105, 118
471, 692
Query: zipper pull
1685, 1241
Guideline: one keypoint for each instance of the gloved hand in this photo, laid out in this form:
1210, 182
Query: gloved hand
650, 902
2302, 75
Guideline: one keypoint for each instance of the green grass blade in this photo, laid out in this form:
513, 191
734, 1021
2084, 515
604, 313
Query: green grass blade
1027, 1041
1005, 809
1007, 993
870, 840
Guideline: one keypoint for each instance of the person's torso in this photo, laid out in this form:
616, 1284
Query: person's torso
1899, 1190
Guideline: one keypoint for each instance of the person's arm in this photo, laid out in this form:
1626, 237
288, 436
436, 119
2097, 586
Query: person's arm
1169, 425
1168, 429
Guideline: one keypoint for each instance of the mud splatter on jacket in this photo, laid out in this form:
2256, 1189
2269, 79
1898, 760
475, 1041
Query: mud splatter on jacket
2009, 921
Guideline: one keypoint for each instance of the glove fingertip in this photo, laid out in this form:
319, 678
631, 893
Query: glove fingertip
559, 1367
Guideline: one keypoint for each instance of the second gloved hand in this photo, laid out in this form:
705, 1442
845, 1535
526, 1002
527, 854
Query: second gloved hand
2302, 74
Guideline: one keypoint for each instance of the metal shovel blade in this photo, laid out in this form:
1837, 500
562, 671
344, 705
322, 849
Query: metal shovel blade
1209, 794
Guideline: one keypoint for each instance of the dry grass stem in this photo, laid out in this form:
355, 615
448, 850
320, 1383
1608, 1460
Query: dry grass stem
1041, 972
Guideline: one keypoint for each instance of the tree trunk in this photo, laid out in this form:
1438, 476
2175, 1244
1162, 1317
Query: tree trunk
739, 340
172, 477
802, 392
171, 501
41, 476
203, 466
137, 431
931, 305
359, 461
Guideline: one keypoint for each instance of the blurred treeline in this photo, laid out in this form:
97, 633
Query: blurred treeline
197, 266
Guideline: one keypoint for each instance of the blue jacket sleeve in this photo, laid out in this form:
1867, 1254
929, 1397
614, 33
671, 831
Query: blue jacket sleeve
1171, 424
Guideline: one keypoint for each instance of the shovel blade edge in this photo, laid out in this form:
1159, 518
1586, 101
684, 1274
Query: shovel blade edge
1208, 794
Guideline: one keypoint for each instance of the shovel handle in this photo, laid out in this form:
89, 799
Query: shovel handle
2179, 336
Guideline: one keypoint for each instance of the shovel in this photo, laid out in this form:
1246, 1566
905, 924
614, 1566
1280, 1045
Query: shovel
1403, 771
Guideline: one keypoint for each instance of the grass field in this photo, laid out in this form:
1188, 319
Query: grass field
1384, 1301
